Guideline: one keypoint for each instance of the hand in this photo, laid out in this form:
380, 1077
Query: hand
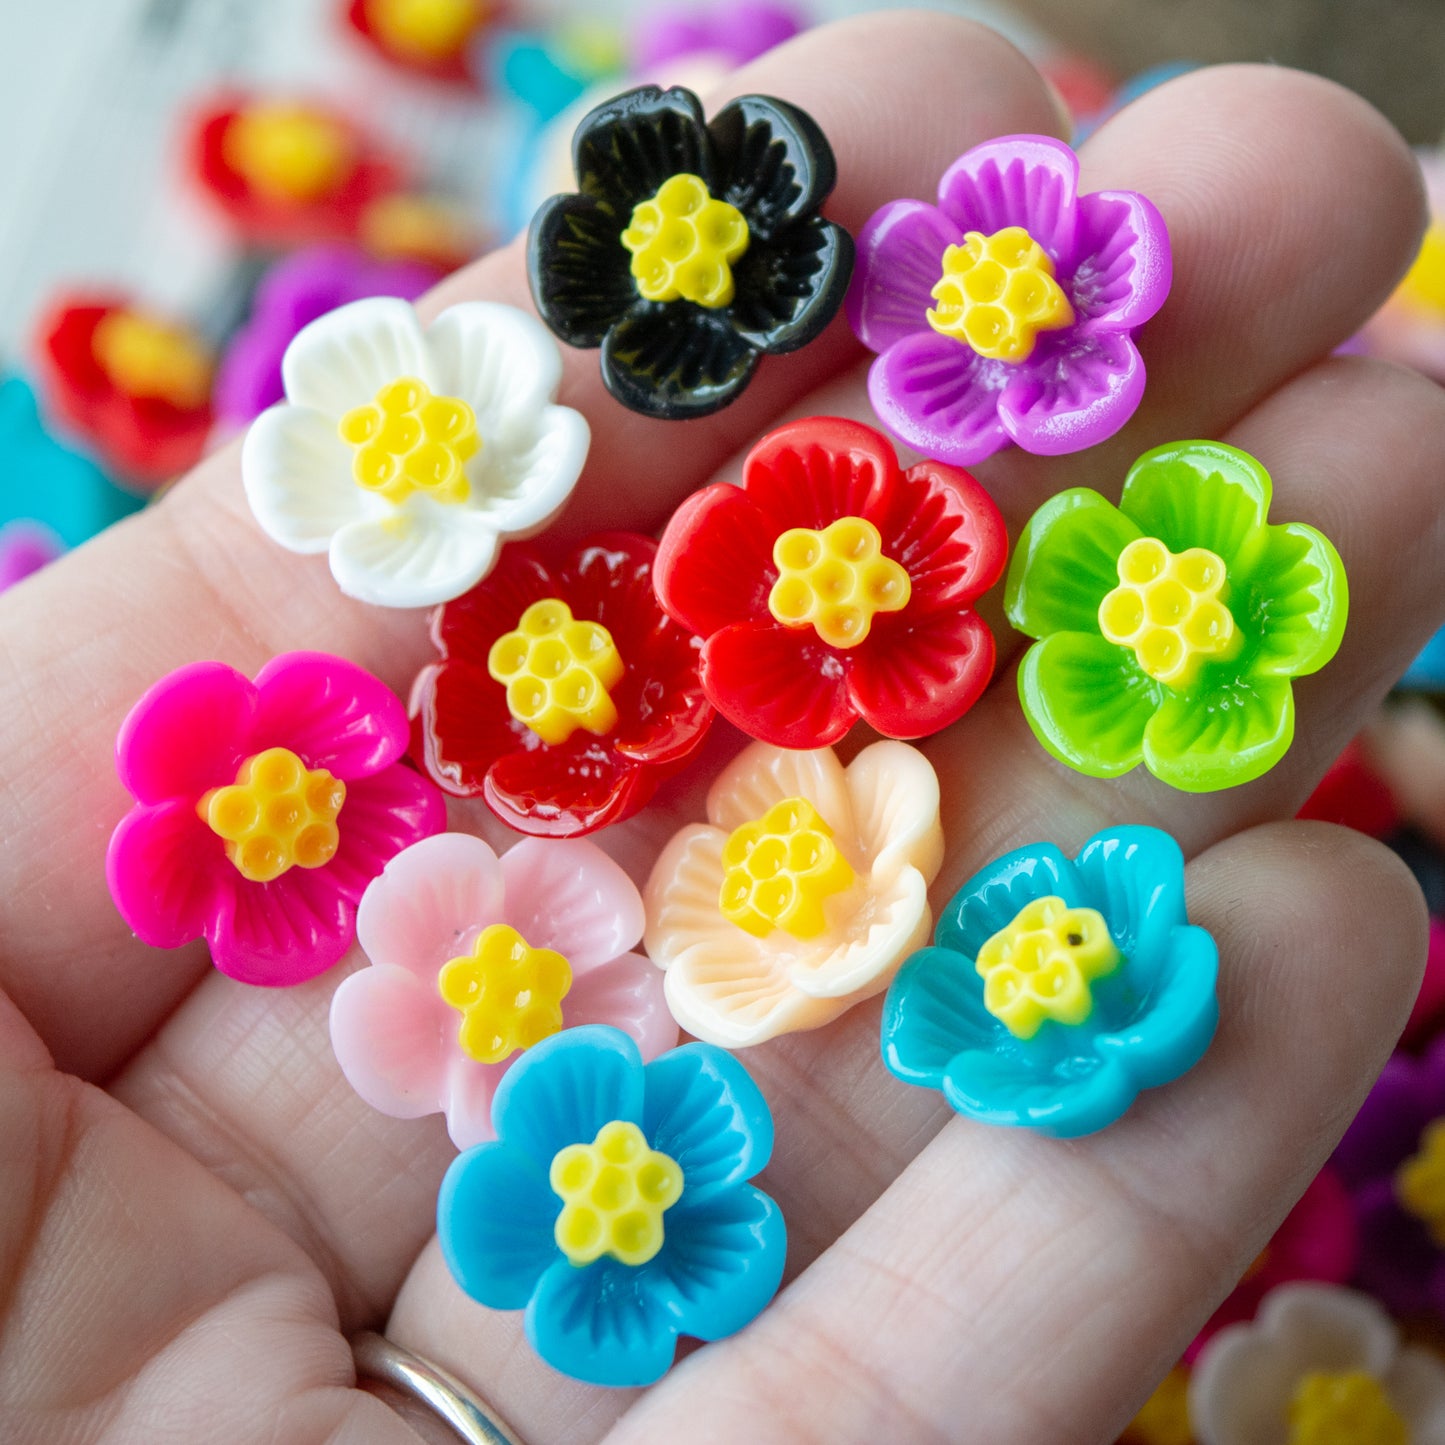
195, 1209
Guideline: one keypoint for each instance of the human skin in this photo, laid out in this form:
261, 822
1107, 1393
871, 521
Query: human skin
196, 1211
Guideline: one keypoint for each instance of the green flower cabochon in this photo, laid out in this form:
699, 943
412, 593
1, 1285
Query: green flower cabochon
1171, 625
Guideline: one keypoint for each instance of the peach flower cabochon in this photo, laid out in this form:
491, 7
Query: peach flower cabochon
728, 987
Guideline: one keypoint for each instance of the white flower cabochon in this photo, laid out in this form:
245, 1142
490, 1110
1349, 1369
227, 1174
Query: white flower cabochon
411, 454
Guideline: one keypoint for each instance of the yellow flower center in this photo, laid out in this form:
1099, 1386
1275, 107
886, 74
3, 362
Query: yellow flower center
1164, 1418
508, 994
778, 871
148, 358
1169, 607
1424, 283
414, 228
558, 672
408, 440
424, 29
1344, 1409
288, 153
1040, 966
684, 243
278, 814
1420, 1181
614, 1192
997, 293
836, 579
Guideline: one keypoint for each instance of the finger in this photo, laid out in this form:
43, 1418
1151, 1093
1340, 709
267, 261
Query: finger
898, 95
324, 1166
1092, 1262
142, 1299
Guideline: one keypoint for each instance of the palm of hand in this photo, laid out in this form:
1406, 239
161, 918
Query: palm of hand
196, 1210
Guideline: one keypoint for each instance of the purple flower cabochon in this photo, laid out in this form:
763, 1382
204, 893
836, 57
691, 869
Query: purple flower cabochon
293, 293
1400, 1260
1081, 378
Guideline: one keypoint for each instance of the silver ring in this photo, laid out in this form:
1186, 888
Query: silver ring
377, 1358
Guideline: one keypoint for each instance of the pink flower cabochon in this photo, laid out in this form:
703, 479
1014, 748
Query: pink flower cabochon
474, 957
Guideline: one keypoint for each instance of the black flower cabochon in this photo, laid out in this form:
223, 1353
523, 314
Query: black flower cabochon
689, 248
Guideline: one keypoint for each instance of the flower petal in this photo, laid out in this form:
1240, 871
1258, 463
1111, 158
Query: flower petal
471, 1088
921, 674
790, 287
780, 684
1230, 734
563, 1090
1019, 180
495, 1215
1073, 394
466, 627
774, 162
714, 563
1199, 494
186, 734
1241, 1387
383, 814
933, 1011
761, 775
681, 897
562, 792
331, 712
415, 915
1417, 1389
418, 556
1088, 702
900, 260
894, 792
298, 480
1134, 876
628, 146
464, 725
945, 529
940, 397
501, 361
704, 1110
580, 271
809, 473
734, 995
995, 895
166, 872
1124, 266
602, 1324
1065, 563
1303, 600
521, 484
388, 1032
281, 933
723, 1261
1012, 1089
571, 897
625, 993
892, 923
342, 359
676, 361
1179, 1018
